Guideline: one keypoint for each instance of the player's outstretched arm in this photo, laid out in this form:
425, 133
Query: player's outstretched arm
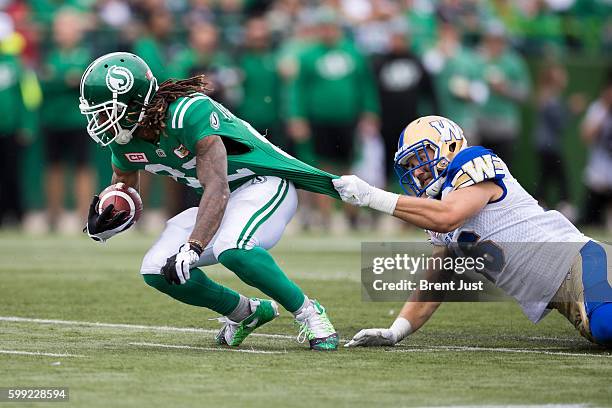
434, 215
415, 313
211, 167
450, 213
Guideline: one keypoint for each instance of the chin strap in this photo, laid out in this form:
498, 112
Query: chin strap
124, 136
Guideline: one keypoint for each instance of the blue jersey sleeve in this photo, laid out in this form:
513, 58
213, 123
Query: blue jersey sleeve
474, 165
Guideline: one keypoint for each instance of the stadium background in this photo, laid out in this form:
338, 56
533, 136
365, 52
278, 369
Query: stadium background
577, 34
77, 314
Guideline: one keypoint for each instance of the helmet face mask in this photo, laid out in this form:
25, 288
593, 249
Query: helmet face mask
103, 120
428, 144
427, 155
114, 89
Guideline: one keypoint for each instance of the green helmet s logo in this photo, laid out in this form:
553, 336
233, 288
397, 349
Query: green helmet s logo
119, 79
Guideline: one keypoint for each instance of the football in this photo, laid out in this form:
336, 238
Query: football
123, 198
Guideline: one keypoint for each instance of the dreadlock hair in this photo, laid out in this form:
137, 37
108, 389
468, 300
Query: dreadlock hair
168, 92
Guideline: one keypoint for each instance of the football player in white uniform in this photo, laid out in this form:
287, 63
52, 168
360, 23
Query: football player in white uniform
540, 258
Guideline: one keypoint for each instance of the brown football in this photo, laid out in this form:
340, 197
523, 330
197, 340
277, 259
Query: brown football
123, 198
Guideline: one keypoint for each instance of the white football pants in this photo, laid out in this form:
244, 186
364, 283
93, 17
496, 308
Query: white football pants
256, 216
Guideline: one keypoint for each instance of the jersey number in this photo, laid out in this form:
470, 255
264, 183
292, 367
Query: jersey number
492, 254
177, 175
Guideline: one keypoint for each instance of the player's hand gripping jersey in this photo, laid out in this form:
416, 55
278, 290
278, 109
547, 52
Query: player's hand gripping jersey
529, 250
249, 154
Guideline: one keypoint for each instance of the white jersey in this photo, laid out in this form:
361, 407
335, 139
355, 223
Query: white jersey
532, 249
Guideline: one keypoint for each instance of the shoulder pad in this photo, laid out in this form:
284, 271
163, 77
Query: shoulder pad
474, 165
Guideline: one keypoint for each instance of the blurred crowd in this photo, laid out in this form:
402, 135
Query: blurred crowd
332, 81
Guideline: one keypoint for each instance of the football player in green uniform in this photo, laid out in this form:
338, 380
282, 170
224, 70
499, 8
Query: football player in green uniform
248, 188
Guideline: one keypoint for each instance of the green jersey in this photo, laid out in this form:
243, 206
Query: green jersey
510, 67
11, 100
60, 83
334, 84
249, 154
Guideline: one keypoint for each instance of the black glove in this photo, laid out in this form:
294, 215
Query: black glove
168, 271
103, 226
177, 267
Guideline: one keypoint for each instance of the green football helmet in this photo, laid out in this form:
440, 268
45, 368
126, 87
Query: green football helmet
115, 90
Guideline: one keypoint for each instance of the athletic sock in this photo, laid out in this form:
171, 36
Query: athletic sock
304, 305
257, 268
199, 290
242, 310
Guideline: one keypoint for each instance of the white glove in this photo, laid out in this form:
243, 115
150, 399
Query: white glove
372, 337
178, 266
354, 190
382, 337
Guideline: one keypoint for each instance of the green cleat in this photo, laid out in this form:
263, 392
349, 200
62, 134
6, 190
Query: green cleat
315, 326
234, 333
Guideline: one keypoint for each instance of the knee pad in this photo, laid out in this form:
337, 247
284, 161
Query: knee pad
600, 324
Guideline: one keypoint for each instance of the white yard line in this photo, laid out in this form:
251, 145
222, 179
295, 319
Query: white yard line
178, 346
428, 349
128, 326
38, 353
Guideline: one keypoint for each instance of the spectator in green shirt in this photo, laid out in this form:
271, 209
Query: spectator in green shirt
506, 75
456, 76
333, 96
540, 29
204, 57
260, 82
44, 11
15, 129
334, 92
156, 46
64, 127
421, 20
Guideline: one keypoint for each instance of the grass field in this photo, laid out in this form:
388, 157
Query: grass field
149, 350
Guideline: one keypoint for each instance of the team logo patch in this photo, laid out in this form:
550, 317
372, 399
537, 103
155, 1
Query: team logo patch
181, 152
119, 79
160, 153
137, 157
214, 120
259, 180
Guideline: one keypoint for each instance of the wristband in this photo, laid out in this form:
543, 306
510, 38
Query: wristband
196, 245
400, 328
383, 201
